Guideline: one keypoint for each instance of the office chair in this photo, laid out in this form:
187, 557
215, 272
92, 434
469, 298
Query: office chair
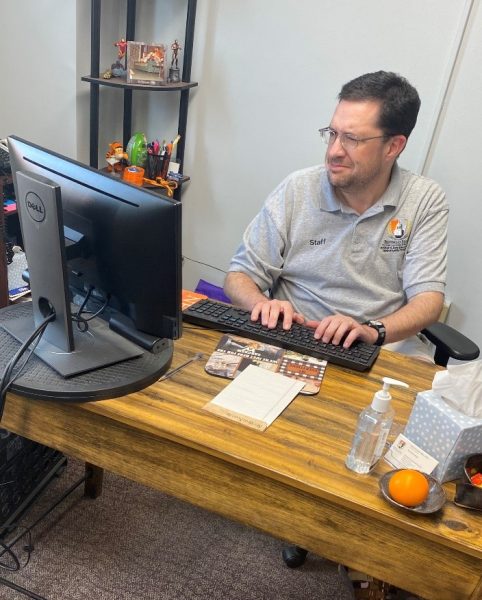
449, 343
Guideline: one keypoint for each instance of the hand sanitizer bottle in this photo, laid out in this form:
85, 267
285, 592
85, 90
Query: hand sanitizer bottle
372, 431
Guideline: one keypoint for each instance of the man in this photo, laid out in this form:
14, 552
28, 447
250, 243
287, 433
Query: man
355, 248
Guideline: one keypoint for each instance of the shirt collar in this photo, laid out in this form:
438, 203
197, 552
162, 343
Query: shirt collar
391, 196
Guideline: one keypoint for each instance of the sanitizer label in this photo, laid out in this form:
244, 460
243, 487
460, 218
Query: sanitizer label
381, 444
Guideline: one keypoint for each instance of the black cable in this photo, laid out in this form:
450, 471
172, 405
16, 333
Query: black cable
82, 322
7, 547
7, 550
26, 359
77, 317
7, 378
204, 264
65, 494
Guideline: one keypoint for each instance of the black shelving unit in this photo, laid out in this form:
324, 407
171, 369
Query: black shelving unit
96, 81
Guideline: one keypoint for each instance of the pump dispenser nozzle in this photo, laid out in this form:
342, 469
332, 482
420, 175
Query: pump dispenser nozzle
382, 398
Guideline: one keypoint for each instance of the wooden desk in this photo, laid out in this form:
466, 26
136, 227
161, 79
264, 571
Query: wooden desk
289, 481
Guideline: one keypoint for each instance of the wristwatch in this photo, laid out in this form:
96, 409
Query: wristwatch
380, 327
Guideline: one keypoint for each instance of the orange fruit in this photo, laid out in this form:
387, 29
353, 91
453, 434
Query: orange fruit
408, 487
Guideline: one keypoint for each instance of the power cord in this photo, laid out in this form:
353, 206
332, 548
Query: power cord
8, 377
204, 264
6, 548
83, 322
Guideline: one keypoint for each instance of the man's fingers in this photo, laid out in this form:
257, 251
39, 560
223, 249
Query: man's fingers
269, 313
337, 329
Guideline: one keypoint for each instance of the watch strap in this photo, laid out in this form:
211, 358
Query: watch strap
380, 328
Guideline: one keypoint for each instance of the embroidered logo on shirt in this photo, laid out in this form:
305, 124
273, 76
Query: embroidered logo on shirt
396, 238
398, 228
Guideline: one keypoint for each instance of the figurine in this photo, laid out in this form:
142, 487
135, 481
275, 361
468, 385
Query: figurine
175, 47
116, 158
118, 69
174, 76
121, 47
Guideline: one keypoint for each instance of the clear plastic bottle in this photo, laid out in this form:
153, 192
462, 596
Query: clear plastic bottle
372, 431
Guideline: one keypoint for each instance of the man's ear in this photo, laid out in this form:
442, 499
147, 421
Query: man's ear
396, 146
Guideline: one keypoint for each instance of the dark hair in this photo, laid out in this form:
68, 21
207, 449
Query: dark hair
400, 101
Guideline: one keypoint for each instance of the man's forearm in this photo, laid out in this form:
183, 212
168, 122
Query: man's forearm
242, 290
422, 310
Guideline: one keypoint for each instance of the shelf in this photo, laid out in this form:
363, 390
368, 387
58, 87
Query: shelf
120, 82
96, 82
148, 186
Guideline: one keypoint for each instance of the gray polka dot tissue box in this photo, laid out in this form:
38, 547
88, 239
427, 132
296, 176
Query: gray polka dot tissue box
445, 433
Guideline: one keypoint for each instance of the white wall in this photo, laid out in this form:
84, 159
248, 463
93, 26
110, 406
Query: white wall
456, 163
39, 76
268, 74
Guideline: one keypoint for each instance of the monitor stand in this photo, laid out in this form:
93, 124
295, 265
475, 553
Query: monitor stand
63, 346
39, 380
97, 347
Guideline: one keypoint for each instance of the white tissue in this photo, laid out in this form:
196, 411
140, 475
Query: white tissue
461, 386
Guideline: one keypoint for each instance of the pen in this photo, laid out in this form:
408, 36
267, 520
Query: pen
197, 356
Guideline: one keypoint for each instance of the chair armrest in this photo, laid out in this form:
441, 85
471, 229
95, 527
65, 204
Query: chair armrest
450, 343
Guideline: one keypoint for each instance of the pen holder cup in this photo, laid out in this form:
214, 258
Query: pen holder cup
154, 166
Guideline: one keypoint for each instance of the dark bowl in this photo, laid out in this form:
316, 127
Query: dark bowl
468, 495
473, 462
434, 502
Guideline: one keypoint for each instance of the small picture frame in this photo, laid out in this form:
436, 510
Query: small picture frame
146, 63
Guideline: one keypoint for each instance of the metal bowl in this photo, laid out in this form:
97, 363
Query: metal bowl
435, 500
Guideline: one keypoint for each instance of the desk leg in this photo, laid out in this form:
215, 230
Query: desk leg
93, 483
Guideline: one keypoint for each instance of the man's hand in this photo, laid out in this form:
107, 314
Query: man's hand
270, 311
337, 329
246, 294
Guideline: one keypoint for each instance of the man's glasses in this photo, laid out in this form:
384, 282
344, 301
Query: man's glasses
349, 142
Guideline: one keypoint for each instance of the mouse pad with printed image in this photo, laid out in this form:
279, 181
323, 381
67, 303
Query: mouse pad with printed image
233, 354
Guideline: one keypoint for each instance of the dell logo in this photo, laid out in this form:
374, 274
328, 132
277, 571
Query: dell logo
35, 207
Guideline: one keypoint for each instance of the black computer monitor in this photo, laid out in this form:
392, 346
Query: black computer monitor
90, 237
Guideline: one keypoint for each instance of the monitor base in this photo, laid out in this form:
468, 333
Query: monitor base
39, 380
95, 348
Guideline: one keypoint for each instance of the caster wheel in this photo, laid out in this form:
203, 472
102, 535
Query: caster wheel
294, 556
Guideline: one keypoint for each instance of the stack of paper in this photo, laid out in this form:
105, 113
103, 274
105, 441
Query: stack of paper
255, 398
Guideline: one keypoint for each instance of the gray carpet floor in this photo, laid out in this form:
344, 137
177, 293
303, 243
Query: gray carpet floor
134, 543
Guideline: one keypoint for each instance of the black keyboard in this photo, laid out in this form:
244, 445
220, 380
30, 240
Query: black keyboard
228, 319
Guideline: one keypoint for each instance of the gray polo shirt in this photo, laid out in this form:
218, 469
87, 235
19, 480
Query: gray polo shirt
308, 248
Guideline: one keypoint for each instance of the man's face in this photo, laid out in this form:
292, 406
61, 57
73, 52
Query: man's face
348, 168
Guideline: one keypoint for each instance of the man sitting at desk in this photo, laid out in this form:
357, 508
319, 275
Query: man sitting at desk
355, 248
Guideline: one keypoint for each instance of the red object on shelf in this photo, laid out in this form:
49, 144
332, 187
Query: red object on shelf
7, 208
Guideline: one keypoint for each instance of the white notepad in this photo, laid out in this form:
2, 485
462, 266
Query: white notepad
255, 398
